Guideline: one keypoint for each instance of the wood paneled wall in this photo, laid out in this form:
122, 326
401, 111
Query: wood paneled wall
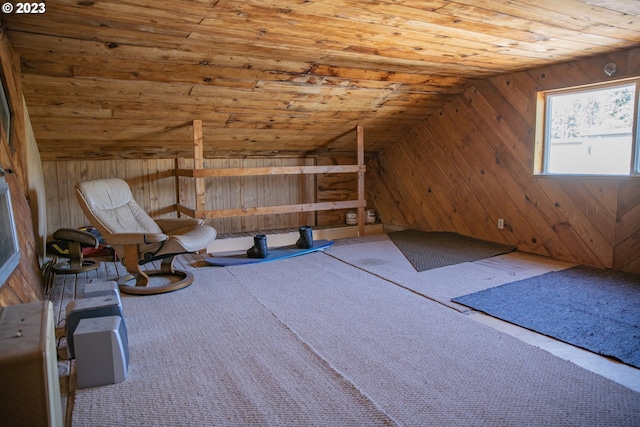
472, 163
152, 184
154, 188
255, 191
336, 187
25, 283
626, 247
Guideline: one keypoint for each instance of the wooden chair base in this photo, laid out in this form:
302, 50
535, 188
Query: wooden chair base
76, 240
74, 266
144, 286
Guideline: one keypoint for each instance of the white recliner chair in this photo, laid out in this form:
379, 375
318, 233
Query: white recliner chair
138, 239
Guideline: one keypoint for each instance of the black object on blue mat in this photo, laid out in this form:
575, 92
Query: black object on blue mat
274, 254
595, 309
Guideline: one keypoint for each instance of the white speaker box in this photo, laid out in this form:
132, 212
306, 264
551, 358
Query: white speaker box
102, 352
99, 289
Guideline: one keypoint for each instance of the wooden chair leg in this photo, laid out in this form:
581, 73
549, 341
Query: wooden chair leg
75, 255
142, 278
167, 265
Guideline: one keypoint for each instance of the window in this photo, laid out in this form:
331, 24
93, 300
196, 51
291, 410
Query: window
5, 114
9, 249
589, 130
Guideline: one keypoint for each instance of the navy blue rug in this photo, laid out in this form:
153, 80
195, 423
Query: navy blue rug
594, 309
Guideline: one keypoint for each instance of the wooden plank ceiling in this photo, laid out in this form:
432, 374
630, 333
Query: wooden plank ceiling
124, 78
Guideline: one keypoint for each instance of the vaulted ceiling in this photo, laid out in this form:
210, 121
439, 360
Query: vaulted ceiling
125, 78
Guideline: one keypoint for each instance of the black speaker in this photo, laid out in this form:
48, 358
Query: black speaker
107, 305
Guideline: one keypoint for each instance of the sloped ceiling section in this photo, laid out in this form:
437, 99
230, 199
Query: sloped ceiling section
124, 79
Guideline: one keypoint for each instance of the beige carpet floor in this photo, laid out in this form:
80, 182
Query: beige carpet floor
381, 257
213, 355
314, 340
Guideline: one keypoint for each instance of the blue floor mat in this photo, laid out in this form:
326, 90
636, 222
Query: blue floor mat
598, 310
274, 254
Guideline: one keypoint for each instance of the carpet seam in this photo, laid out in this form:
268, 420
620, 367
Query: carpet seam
413, 291
316, 352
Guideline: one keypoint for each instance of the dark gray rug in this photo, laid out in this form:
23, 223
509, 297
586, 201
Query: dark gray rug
595, 309
435, 249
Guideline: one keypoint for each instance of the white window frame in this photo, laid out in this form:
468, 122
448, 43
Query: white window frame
542, 129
